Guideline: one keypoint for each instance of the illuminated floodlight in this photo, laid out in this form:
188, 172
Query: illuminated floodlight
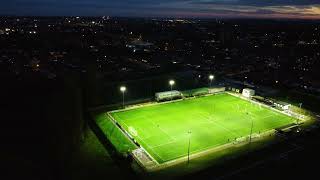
171, 82
123, 88
211, 77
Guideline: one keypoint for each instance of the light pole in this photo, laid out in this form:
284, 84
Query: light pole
123, 89
189, 133
251, 129
300, 111
171, 83
211, 77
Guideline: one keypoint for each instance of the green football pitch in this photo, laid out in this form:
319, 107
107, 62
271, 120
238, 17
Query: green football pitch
210, 121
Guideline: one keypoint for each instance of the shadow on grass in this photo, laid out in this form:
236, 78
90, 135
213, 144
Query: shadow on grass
120, 161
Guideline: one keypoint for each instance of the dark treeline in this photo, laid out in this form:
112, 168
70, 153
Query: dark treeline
43, 124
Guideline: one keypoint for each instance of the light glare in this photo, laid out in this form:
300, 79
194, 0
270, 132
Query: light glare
171, 82
123, 88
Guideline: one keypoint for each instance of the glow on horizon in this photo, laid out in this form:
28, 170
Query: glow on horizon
309, 9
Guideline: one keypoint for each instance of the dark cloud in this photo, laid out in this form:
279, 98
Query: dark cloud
145, 3
263, 11
259, 2
161, 7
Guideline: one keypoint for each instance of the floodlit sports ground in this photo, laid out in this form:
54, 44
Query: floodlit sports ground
212, 121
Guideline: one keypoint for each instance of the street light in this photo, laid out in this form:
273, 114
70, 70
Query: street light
211, 77
123, 89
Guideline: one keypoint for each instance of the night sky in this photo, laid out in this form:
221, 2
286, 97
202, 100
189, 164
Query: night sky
165, 8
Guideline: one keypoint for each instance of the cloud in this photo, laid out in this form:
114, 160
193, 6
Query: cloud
258, 2
185, 8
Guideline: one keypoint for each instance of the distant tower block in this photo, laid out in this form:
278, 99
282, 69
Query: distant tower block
248, 92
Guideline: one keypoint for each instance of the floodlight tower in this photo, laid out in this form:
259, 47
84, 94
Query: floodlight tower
123, 90
189, 133
250, 138
211, 77
171, 83
251, 131
300, 106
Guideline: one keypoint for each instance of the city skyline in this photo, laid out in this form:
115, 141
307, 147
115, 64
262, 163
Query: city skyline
307, 9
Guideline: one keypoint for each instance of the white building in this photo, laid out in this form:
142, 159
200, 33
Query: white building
248, 92
283, 105
168, 95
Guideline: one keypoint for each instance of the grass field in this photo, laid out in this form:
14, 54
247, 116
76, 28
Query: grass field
164, 129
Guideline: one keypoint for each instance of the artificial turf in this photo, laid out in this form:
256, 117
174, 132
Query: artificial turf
210, 121
121, 143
